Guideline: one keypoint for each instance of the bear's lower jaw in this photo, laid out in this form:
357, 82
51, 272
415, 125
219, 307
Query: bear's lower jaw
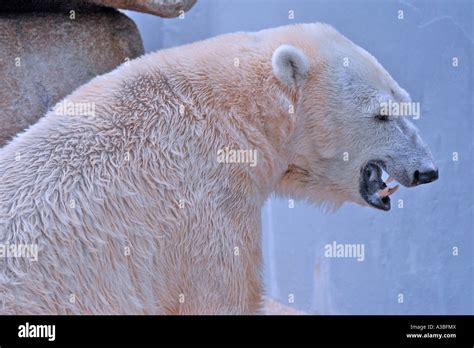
372, 188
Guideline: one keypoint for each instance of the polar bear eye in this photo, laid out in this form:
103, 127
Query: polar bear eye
382, 117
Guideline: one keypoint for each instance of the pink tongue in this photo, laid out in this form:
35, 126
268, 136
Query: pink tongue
388, 191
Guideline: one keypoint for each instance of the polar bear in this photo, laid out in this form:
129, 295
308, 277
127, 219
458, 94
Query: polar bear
128, 205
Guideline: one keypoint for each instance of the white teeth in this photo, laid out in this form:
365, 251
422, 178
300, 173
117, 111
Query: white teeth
389, 179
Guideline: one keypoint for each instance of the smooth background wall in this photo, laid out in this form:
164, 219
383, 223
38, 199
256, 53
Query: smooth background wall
408, 250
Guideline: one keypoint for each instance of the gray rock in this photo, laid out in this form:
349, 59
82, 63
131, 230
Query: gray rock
44, 56
162, 8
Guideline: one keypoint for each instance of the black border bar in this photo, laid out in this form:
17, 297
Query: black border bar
290, 330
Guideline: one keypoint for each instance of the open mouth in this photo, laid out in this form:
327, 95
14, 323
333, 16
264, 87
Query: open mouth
373, 189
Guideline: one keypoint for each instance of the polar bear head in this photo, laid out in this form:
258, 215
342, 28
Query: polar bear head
352, 121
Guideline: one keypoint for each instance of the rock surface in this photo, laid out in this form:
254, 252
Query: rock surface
162, 8
44, 56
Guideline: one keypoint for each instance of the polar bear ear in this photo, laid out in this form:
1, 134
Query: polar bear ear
290, 65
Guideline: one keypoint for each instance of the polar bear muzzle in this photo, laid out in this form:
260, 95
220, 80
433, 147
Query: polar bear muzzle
376, 192
373, 189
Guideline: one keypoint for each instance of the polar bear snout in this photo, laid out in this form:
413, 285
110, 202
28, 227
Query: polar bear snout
376, 192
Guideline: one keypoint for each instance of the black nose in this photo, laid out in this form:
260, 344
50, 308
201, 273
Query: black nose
424, 177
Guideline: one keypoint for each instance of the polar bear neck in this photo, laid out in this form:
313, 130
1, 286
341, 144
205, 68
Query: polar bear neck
226, 84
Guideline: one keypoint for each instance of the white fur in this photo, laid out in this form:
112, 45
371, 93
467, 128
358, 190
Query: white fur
141, 174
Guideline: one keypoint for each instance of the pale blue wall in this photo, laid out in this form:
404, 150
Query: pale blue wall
407, 250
